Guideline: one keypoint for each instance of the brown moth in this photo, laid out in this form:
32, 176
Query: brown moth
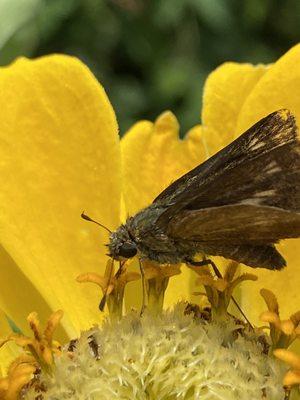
238, 204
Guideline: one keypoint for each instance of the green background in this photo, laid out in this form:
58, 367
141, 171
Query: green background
151, 55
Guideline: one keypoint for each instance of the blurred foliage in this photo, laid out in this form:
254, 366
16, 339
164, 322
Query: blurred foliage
151, 55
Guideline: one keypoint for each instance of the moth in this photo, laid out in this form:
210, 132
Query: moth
238, 204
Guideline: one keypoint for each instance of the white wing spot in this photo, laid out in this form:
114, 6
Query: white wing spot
272, 168
251, 202
253, 141
259, 197
272, 164
257, 145
265, 193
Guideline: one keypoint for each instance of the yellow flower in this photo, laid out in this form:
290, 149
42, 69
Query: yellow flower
41, 346
19, 374
219, 289
38, 353
292, 377
282, 332
60, 154
157, 279
112, 287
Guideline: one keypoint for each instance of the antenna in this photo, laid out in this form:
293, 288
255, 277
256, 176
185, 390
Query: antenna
87, 218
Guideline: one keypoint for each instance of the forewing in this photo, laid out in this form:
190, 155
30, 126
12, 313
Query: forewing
260, 167
235, 225
272, 179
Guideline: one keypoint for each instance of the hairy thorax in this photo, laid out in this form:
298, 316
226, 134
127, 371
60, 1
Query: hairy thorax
151, 241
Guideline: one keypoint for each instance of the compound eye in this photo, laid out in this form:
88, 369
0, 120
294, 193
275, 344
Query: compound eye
128, 250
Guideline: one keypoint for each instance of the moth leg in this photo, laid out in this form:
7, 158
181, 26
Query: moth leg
205, 261
104, 297
287, 393
117, 276
144, 288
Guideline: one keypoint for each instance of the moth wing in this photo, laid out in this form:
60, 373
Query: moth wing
237, 224
261, 166
272, 179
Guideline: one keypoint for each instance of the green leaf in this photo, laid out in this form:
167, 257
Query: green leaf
14, 15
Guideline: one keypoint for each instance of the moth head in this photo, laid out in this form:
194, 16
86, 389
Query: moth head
127, 250
121, 245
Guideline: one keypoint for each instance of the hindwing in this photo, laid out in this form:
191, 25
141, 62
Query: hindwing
236, 224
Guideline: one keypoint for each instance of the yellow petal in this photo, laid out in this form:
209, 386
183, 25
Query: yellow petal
225, 92
59, 156
10, 350
277, 89
134, 148
20, 304
152, 157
